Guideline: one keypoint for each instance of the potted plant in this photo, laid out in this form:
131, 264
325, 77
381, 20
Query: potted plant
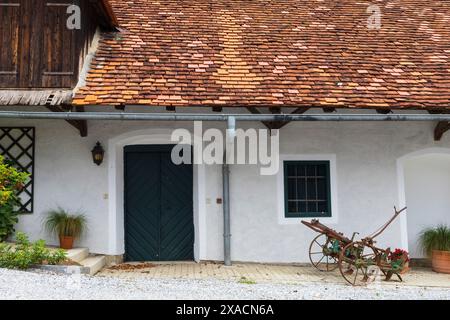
66, 226
435, 242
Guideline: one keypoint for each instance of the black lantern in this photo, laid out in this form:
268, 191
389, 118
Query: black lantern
98, 154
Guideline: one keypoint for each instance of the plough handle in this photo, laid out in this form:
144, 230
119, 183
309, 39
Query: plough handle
380, 231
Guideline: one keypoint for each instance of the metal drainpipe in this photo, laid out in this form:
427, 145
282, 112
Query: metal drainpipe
231, 127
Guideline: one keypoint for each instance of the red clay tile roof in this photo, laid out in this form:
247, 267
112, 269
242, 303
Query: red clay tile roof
318, 53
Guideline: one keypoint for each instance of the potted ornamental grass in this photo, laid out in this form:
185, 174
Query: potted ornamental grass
435, 243
68, 227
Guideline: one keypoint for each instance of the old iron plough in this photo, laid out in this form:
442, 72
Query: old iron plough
359, 262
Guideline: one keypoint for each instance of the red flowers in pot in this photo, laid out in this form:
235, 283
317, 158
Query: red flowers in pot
399, 260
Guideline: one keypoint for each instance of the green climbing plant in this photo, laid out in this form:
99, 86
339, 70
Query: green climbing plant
12, 181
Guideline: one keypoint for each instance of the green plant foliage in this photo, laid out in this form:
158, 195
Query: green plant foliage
11, 181
26, 254
437, 238
245, 280
61, 223
56, 257
8, 219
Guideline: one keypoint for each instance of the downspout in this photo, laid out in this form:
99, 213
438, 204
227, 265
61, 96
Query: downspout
231, 133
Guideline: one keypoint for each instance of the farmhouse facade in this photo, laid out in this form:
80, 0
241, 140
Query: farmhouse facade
221, 57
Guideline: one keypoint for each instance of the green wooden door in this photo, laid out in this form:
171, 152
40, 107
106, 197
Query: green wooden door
158, 205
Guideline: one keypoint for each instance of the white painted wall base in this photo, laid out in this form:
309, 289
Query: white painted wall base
366, 169
427, 187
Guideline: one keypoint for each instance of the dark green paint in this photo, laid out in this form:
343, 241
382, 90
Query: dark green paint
328, 182
158, 205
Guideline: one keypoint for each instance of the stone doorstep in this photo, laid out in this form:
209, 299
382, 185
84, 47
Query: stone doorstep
77, 254
69, 270
90, 266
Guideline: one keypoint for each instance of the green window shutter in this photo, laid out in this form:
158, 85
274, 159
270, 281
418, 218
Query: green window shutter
307, 189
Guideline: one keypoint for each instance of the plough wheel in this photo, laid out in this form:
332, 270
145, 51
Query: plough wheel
357, 264
318, 256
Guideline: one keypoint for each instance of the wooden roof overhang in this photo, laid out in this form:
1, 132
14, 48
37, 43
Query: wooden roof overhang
105, 11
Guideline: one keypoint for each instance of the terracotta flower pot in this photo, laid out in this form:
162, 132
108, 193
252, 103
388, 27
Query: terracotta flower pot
405, 268
440, 261
66, 242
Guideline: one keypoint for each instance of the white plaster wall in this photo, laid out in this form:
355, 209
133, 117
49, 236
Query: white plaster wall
427, 186
366, 165
66, 176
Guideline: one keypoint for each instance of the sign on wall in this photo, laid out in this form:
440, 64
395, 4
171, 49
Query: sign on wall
17, 146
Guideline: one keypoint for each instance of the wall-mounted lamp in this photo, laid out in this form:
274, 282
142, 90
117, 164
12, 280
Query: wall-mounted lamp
98, 154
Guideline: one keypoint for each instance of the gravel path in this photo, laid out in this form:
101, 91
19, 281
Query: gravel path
41, 285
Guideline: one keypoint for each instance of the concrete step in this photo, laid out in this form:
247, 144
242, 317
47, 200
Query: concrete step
94, 263
78, 254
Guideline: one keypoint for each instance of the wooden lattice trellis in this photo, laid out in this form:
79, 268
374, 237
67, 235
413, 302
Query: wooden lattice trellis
17, 145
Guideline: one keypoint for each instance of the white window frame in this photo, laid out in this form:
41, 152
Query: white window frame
282, 219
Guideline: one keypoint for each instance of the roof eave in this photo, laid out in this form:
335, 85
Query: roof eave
110, 12
105, 9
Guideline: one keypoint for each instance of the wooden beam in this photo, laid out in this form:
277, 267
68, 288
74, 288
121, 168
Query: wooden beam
275, 110
300, 110
329, 110
441, 128
437, 111
271, 125
281, 124
80, 125
254, 110
384, 111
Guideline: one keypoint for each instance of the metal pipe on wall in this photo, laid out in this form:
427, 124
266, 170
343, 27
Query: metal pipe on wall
218, 117
231, 133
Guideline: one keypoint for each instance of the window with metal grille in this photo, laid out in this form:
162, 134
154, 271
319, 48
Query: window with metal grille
307, 189
17, 146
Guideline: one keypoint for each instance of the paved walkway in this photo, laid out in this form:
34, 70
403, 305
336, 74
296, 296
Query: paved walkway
259, 273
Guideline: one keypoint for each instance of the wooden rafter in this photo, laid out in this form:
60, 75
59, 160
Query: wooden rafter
254, 110
281, 124
384, 111
277, 124
441, 128
80, 125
